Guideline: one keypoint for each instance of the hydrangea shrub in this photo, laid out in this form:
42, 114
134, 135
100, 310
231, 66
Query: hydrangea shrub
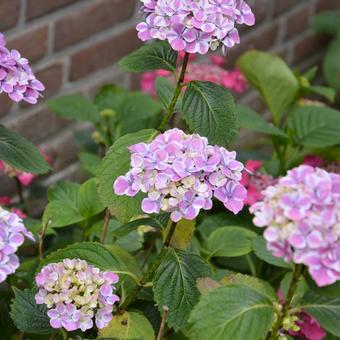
173, 233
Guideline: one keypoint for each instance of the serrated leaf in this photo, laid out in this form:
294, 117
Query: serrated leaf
314, 126
20, 153
65, 192
29, 317
270, 75
209, 110
235, 312
261, 251
251, 120
115, 164
183, 234
174, 285
154, 56
331, 65
326, 310
74, 107
88, 201
230, 242
131, 325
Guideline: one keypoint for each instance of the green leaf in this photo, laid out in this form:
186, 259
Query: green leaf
331, 65
314, 126
183, 234
89, 162
327, 22
29, 317
154, 56
131, 325
300, 290
260, 250
236, 312
110, 97
165, 90
174, 285
261, 286
20, 153
89, 203
251, 120
65, 191
326, 310
74, 107
209, 110
60, 214
326, 92
270, 75
230, 242
115, 164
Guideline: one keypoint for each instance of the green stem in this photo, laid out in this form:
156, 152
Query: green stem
177, 93
251, 265
149, 274
105, 226
285, 308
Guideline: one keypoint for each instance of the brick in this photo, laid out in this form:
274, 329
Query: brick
307, 46
38, 125
102, 54
37, 8
281, 6
51, 77
297, 22
9, 13
103, 14
327, 5
32, 44
5, 104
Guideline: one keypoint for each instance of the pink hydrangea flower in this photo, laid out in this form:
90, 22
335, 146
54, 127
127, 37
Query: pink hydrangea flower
12, 236
77, 294
301, 216
255, 182
181, 174
16, 76
313, 160
195, 26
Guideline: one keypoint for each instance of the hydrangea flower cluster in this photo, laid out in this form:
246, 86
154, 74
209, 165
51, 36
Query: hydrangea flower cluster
75, 293
255, 181
302, 216
181, 174
195, 26
16, 76
12, 236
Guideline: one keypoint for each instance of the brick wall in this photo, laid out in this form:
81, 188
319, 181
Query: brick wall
74, 45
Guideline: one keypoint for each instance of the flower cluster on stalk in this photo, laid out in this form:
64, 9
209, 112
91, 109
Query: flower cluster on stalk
16, 76
77, 294
302, 216
12, 236
195, 26
181, 174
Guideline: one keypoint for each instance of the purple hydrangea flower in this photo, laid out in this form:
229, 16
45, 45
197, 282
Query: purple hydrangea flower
195, 26
302, 220
16, 76
181, 174
12, 236
76, 294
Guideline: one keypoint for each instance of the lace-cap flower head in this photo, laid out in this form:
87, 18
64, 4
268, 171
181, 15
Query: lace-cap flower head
181, 174
77, 294
12, 236
16, 76
302, 216
195, 26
